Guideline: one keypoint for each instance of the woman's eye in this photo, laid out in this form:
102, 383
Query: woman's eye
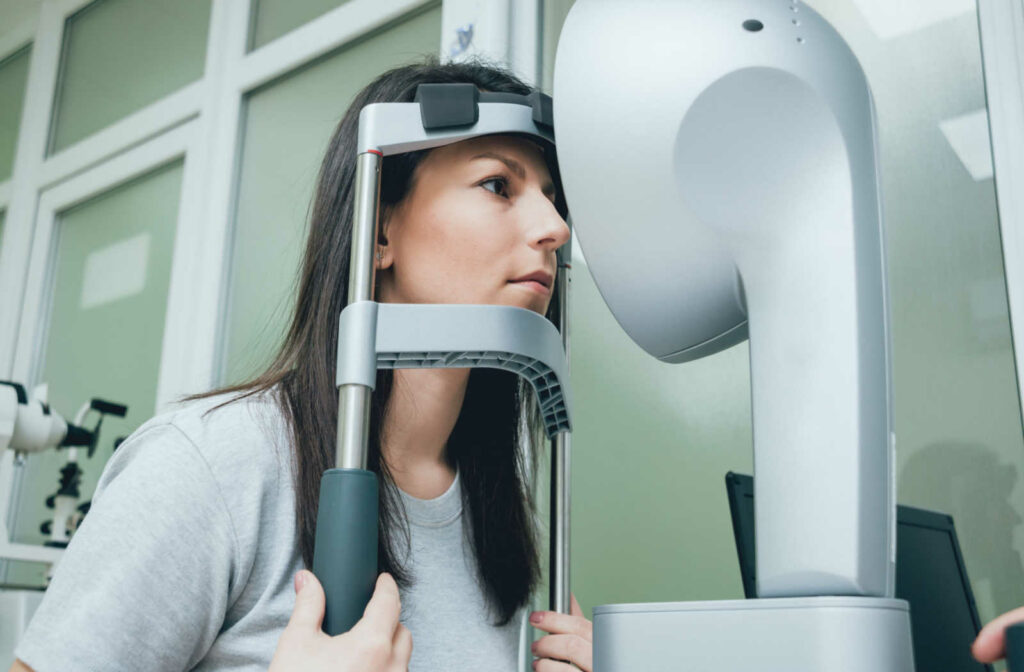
503, 192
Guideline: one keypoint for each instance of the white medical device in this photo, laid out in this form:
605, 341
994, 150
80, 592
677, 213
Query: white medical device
374, 336
720, 161
29, 425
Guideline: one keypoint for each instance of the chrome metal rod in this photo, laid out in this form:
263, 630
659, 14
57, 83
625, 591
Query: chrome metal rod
354, 400
559, 597
561, 473
353, 426
361, 269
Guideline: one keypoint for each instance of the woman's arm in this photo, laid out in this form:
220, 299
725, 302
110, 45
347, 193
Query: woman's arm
20, 667
145, 581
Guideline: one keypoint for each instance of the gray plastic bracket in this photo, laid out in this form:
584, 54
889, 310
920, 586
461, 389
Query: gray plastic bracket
357, 344
395, 128
413, 336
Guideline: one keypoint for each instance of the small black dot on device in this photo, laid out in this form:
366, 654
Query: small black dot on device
753, 25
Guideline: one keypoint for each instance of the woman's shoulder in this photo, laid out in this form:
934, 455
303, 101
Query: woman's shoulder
241, 439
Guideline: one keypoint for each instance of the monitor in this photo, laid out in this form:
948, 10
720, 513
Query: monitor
930, 576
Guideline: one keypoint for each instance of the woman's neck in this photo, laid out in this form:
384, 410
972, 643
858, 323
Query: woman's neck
422, 411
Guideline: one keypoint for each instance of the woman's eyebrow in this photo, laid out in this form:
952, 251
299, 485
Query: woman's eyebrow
517, 168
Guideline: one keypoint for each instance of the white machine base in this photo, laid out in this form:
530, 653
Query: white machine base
801, 634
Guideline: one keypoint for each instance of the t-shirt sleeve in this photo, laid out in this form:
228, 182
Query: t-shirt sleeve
145, 582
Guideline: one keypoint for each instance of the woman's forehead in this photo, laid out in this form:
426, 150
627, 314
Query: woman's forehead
522, 148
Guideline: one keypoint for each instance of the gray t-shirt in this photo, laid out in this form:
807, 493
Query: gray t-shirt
185, 560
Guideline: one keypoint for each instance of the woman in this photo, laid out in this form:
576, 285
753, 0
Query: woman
203, 517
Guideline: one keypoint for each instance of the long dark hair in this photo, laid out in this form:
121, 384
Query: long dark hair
492, 443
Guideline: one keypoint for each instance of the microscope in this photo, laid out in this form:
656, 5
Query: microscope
30, 425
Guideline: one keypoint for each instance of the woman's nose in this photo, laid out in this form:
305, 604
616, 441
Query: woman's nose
547, 229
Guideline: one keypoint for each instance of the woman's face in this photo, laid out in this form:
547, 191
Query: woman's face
479, 225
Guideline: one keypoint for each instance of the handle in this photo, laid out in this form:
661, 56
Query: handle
345, 551
345, 554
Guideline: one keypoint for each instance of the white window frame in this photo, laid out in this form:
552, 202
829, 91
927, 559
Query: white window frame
198, 275
505, 31
164, 149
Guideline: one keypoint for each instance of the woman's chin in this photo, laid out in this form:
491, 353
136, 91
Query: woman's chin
525, 297
538, 307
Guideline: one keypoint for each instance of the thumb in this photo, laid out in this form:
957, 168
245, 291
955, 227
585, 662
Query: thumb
575, 608
310, 603
990, 645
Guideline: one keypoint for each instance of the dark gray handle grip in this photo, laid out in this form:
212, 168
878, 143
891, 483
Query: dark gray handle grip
345, 554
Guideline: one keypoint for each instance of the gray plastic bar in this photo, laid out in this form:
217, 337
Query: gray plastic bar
394, 128
410, 336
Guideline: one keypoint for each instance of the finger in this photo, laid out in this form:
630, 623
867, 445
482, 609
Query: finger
571, 648
990, 644
384, 608
401, 648
548, 665
308, 613
575, 610
562, 624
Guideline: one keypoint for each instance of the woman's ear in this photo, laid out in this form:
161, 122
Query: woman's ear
382, 253
383, 258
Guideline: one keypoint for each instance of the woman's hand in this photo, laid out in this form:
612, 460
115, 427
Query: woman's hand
571, 640
990, 645
377, 643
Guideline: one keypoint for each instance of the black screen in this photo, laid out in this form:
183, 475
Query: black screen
930, 576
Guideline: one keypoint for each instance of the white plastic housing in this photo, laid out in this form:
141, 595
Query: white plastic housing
807, 634
723, 178
28, 427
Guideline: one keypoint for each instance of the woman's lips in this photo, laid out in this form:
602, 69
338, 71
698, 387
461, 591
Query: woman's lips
533, 286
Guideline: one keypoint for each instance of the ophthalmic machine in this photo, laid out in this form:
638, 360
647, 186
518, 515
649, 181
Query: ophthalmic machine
719, 159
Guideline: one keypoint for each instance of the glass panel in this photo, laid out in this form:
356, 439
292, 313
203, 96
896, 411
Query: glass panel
957, 417
554, 13
287, 126
105, 332
273, 18
13, 75
662, 437
121, 55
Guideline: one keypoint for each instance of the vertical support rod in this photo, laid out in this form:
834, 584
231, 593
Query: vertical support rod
559, 596
354, 400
